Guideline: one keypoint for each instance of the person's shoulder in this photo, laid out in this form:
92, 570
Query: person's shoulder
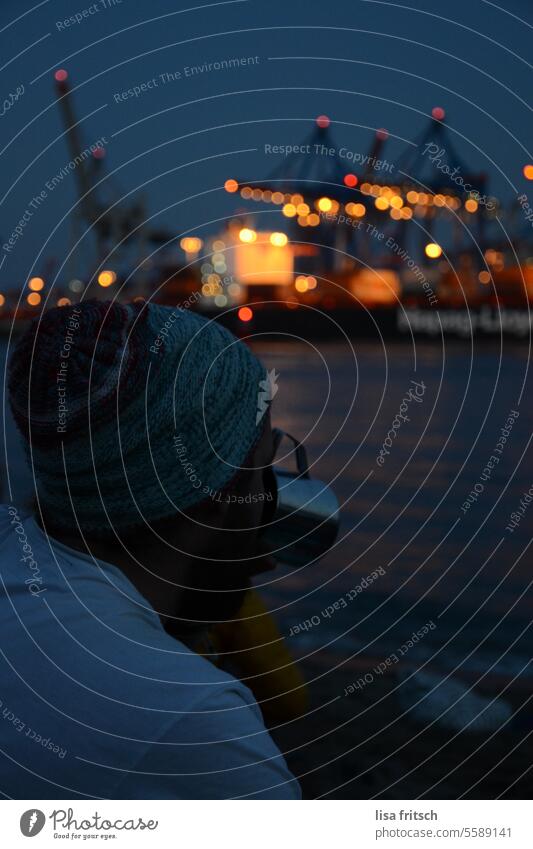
219, 749
9, 515
14, 522
14, 526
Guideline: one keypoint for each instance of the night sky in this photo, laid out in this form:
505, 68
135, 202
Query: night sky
364, 63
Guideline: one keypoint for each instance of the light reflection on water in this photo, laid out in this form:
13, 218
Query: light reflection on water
402, 518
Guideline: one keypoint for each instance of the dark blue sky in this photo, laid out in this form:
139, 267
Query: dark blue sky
403, 61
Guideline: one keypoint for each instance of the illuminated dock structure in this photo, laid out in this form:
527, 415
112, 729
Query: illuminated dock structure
347, 235
324, 202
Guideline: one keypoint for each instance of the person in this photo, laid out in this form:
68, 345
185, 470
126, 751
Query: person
149, 454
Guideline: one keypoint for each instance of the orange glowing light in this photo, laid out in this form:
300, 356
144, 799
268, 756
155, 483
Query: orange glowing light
2, 300
36, 284
375, 286
471, 205
484, 277
245, 314
324, 204
106, 278
528, 172
381, 203
246, 193
313, 220
301, 284
34, 299
356, 209
396, 201
231, 186
64, 302
191, 244
412, 197
262, 262
278, 197
289, 210
303, 209
311, 283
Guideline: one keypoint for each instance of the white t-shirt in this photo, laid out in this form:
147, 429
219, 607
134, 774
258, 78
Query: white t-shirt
98, 701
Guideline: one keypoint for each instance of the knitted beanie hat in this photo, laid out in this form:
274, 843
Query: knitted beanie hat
131, 412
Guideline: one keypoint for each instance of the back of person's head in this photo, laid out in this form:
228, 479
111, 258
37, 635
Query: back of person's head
131, 413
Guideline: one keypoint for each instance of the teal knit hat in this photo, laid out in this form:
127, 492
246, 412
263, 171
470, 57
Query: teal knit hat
132, 412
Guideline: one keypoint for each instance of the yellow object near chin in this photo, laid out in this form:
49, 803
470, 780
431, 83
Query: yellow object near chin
253, 646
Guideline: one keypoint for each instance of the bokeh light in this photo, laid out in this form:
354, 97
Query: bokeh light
191, 244
36, 284
438, 113
106, 278
247, 235
432, 250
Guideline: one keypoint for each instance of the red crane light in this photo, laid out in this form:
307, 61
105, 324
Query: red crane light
61, 75
245, 314
323, 121
350, 180
382, 134
99, 152
438, 113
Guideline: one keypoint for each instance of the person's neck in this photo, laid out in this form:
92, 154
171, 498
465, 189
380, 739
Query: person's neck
158, 572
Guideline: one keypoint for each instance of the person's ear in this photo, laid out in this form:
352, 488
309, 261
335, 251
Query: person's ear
213, 512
